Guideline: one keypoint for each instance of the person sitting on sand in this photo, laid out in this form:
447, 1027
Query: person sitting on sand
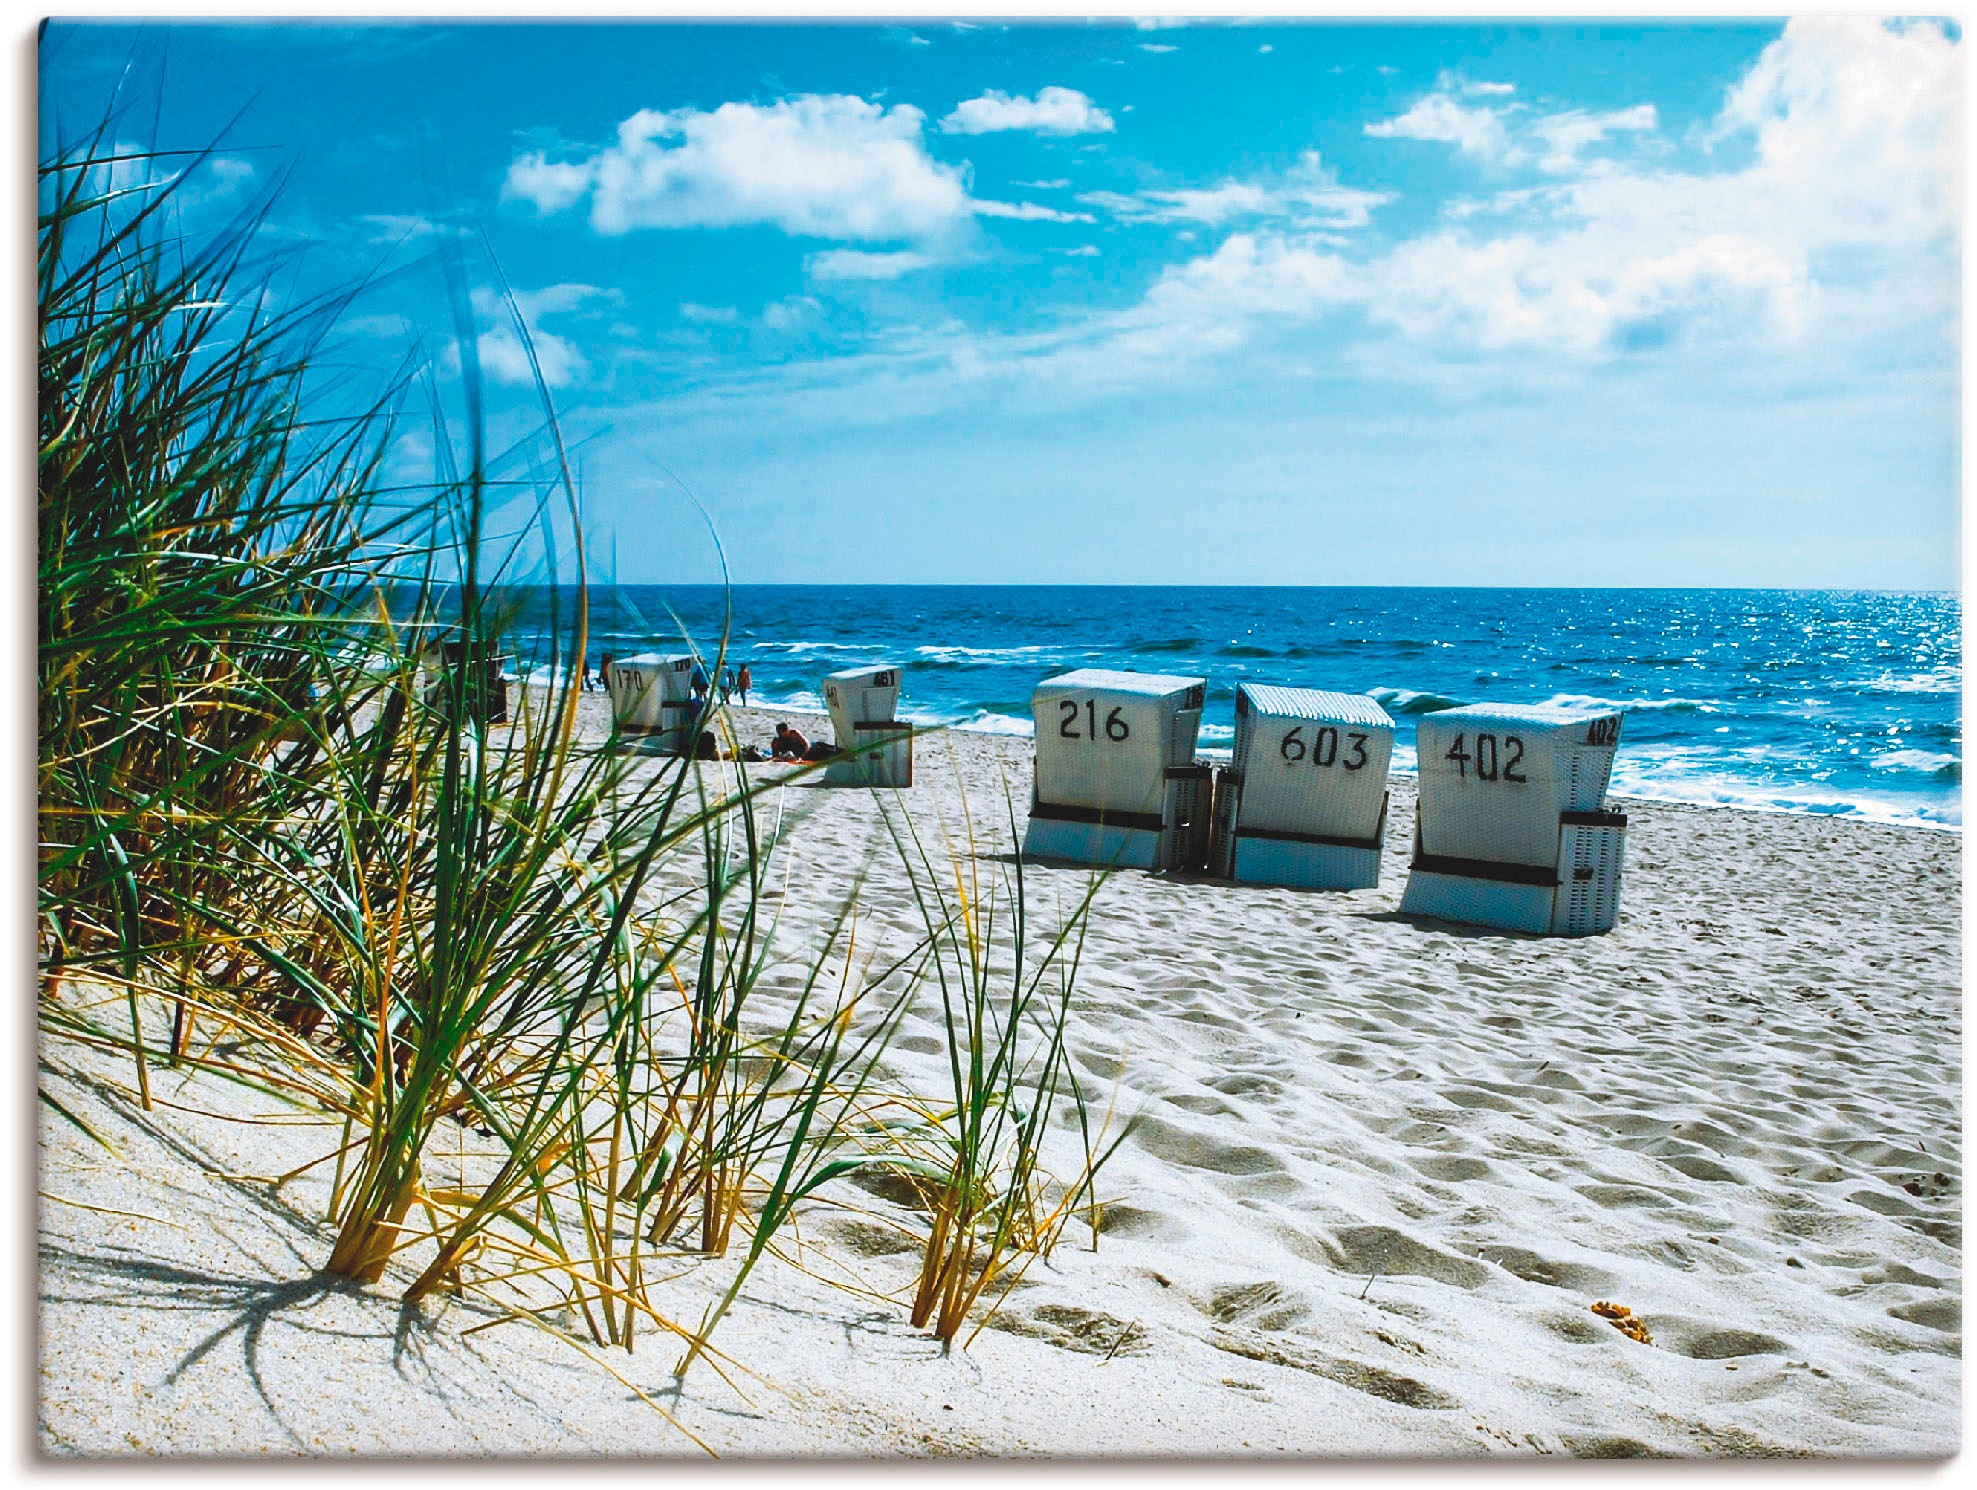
789, 745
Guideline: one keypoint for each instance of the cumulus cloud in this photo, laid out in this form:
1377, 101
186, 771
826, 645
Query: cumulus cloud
1827, 236
1846, 214
818, 165
852, 263
1309, 193
1054, 111
1474, 131
1507, 133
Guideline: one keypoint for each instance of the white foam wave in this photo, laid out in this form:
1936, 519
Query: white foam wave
1947, 680
1929, 762
956, 654
986, 723
1695, 776
1593, 701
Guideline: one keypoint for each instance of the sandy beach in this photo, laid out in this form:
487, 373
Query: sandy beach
1382, 1171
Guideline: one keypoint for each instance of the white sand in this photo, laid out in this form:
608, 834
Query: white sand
1383, 1170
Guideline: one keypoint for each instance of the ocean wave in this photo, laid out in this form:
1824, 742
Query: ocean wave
1408, 701
1949, 680
1670, 705
979, 654
1926, 762
801, 649
1696, 776
985, 723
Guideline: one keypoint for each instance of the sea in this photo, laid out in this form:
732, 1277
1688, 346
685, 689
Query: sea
1844, 703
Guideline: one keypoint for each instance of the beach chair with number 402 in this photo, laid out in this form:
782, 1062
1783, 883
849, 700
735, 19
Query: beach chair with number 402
1512, 829
1117, 782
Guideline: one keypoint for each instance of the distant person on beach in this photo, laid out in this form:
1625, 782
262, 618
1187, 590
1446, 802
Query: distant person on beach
727, 683
743, 682
789, 745
698, 682
604, 673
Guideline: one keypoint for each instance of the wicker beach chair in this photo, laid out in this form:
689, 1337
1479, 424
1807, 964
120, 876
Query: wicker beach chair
876, 746
1117, 782
651, 695
1303, 801
1512, 829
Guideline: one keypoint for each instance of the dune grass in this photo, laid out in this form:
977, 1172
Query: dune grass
534, 975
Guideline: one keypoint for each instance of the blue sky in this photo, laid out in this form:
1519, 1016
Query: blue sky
1295, 304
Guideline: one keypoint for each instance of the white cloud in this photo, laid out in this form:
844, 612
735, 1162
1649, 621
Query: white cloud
1508, 133
1054, 185
823, 166
1473, 131
504, 357
852, 263
391, 227
1844, 222
550, 185
1054, 111
1829, 243
708, 315
1566, 134
1082, 251
1029, 212
792, 313
1155, 47
1308, 193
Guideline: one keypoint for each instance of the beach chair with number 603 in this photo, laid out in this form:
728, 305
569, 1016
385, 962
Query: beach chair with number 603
1303, 800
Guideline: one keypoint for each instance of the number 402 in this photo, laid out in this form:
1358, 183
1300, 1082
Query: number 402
1485, 758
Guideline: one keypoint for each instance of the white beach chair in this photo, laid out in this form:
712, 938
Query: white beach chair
1303, 800
863, 703
652, 694
1512, 829
1116, 778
